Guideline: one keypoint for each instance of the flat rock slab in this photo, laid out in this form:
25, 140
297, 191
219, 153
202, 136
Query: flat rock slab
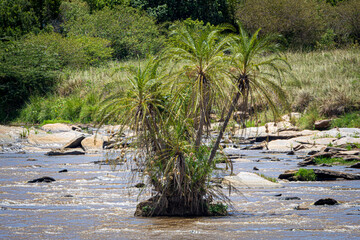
250, 180
56, 127
35, 149
340, 132
346, 140
52, 139
282, 145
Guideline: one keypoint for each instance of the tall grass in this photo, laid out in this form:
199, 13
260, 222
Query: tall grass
323, 84
78, 94
325, 80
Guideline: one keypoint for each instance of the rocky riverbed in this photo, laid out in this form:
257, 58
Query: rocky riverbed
94, 200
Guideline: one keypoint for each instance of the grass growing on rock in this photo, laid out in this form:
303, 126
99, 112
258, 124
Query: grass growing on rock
306, 174
333, 161
271, 179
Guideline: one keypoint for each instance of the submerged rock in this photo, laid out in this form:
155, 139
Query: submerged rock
140, 185
290, 198
70, 151
326, 201
42, 179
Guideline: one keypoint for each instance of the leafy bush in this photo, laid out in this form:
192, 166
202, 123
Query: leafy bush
131, 32
73, 51
344, 19
25, 70
297, 20
16, 18
305, 174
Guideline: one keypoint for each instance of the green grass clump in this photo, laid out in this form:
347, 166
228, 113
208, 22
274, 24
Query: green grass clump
55, 121
218, 209
333, 161
352, 146
350, 120
306, 174
271, 179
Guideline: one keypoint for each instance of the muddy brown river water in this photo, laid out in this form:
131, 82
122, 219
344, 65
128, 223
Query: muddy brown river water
95, 202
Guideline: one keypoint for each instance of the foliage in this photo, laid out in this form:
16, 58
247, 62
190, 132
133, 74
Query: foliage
271, 179
212, 11
54, 108
100, 4
299, 21
333, 161
325, 83
16, 18
199, 48
218, 209
349, 120
254, 77
74, 51
25, 70
307, 120
131, 33
304, 174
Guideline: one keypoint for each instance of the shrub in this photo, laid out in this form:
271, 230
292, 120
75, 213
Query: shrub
73, 51
305, 175
297, 20
344, 19
25, 70
16, 18
131, 32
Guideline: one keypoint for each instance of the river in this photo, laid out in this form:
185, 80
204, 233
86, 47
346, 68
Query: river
93, 201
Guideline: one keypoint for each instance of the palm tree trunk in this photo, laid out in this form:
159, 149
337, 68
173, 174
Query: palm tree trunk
221, 133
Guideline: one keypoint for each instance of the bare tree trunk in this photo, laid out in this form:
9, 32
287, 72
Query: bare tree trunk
223, 128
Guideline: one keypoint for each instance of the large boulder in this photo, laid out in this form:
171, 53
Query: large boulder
52, 139
323, 124
249, 180
94, 143
56, 127
75, 142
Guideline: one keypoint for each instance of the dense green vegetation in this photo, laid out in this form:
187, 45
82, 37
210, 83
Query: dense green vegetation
58, 42
334, 161
162, 68
304, 174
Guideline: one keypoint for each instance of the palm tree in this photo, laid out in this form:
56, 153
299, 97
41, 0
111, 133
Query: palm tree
141, 107
200, 52
252, 72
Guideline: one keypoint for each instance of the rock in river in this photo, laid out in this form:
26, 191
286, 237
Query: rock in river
42, 179
321, 175
250, 180
326, 201
70, 151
